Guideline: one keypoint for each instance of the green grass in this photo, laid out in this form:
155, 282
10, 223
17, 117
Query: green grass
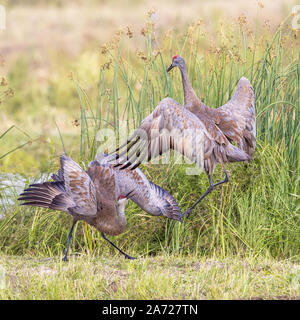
242, 241
161, 277
253, 214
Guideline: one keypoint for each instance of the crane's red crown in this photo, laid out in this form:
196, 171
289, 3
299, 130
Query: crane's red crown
121, 196
174, 57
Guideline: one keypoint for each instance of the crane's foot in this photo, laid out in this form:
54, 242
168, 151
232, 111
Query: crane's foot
65, 259
129, 257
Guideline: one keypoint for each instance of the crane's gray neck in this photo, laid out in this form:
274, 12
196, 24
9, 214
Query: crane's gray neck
190, 97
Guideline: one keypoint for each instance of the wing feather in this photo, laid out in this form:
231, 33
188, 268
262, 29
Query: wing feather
237, 117
103, 178
79, 187
169, 126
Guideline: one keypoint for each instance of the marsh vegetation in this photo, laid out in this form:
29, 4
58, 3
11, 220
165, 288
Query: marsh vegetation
62, 98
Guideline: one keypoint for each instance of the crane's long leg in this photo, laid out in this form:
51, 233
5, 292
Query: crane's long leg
125, 254
65, 258
211, 188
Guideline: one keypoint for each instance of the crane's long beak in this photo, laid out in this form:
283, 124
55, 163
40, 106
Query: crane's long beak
129, 193
170, 67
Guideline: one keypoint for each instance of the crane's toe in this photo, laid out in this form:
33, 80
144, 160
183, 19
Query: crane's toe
129, 257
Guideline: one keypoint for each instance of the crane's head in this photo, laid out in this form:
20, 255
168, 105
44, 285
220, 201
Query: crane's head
122, 200
177, 61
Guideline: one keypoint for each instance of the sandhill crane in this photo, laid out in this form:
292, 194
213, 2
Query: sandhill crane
236, 118
99, 196
234, 122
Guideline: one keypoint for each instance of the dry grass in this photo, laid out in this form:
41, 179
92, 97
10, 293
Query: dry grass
161, 277
72, 27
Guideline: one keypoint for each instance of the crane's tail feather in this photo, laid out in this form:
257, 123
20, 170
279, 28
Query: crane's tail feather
235, 154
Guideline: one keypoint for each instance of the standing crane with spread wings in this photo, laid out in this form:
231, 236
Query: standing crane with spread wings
204, 135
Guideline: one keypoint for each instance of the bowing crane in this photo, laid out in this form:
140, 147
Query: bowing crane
99, 196
231, 123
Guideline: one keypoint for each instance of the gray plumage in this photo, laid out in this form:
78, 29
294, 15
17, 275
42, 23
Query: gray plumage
99, 195
212, 133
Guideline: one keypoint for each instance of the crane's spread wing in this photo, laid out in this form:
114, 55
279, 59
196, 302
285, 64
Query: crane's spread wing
72, 191
237, 117
78, 186
103, 178
50, 195
169, 126
135, 185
